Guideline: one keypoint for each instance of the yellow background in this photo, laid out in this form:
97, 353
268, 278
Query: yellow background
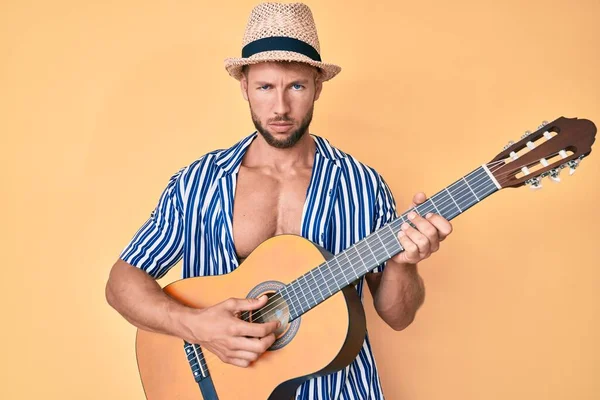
101, 102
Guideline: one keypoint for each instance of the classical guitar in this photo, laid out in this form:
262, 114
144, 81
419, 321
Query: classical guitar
310, 290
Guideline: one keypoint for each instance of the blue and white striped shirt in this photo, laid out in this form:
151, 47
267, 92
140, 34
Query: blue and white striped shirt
346, 200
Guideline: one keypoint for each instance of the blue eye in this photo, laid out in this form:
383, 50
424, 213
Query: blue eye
297, 86
265, 87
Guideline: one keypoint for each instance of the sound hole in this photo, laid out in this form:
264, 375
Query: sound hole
276, 309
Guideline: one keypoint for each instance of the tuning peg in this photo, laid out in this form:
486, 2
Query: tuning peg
508, 145
554, 175
534, 183
544, 123
527, 133
573, 164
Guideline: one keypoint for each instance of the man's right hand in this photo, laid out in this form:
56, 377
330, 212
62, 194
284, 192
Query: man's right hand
219, 330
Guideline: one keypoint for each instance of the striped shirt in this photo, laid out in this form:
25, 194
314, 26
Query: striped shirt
346, 200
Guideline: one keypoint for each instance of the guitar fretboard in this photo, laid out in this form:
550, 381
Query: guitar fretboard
325, 280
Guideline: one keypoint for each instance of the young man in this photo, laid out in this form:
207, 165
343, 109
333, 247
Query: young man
279, 180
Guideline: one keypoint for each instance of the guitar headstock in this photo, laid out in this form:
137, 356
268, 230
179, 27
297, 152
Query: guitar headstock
556, 145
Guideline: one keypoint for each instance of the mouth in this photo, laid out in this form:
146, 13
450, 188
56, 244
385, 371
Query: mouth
281, 127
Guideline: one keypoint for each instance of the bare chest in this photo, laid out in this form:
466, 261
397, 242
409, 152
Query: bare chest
266, 206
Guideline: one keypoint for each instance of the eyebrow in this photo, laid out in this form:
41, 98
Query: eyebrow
301, 81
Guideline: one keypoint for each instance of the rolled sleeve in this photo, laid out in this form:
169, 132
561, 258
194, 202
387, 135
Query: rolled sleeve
158, 244
385, 210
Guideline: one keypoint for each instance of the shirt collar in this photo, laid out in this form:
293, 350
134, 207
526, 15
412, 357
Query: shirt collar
229, 160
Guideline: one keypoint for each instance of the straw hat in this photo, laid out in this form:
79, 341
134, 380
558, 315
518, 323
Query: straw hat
281, 32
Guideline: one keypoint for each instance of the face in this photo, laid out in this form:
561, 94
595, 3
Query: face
281, 98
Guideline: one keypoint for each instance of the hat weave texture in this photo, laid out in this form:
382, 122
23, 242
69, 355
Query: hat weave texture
278, 20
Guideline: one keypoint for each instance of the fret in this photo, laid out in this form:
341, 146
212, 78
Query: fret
310, 288
294, 291
298, 286
346, 281
376, 234
335, 274
448, 207
328, 293
482, 183
446, 189
462, 194
364, 265
325, 268
318, 295
369, 255
394, 238
471, 189
305, 287
288, 300
436, 208
355, 261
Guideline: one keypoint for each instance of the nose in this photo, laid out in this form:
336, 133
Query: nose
282, 104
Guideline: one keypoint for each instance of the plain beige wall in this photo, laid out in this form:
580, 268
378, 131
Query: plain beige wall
102, 101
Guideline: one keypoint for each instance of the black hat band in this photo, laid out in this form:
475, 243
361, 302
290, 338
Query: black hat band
280, 43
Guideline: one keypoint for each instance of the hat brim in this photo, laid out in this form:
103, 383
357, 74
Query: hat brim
234, 65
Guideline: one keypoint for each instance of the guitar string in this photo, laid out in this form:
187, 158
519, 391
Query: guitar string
211, 356
275, 304
443, 204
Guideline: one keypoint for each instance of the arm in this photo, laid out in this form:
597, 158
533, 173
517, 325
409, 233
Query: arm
399, 291
132, 291
141, 301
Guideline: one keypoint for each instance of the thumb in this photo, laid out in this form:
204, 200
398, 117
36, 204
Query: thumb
250, 303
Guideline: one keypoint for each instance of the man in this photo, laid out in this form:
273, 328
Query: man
279, 180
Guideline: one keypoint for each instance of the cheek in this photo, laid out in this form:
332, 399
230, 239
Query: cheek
259, 105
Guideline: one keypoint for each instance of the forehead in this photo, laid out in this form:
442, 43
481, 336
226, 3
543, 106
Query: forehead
281, 69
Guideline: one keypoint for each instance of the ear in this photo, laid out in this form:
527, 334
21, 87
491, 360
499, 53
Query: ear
244, 86
318, 88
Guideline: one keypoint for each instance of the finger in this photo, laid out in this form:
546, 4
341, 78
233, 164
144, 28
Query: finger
410, 255
418, 238
253, 345
245, 355
238, 305
256, 330
419, 198
443, 226
238, 362
425, 227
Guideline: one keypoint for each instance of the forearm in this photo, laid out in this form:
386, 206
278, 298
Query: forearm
399, 295
142, 302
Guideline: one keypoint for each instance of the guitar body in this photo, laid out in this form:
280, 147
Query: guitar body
324, 340
327, 330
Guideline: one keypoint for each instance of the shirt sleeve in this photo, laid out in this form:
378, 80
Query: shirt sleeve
158, 244
385, 210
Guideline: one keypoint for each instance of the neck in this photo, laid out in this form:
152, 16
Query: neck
352, 263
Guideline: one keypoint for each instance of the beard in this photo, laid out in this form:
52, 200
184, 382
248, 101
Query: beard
292, 139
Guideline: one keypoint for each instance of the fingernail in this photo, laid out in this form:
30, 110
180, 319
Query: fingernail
411, 215
404, 226
428, 215
401, 233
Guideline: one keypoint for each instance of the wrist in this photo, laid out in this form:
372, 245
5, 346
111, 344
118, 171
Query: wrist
179, 320
394, 268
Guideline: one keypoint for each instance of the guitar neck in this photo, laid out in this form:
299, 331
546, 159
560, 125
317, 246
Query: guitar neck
325, 280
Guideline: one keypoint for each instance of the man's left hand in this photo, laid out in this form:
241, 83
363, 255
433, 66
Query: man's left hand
420, 243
